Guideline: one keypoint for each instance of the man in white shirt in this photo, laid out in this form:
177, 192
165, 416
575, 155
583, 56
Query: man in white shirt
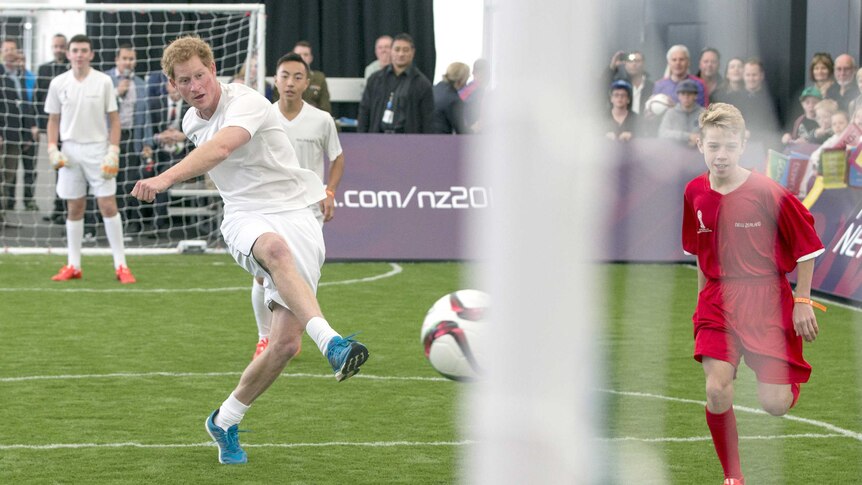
268, 226
76, 105
311, 132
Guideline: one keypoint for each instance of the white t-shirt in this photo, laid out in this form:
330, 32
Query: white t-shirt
310, 133
82, 105
264, 174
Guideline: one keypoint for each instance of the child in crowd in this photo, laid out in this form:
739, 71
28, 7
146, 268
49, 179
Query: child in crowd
824, 111
804, 126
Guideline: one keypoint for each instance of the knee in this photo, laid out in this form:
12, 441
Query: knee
719, 395
285, 348
273, 251
776, 405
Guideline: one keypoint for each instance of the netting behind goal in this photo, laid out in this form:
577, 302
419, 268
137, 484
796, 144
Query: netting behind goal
32, 215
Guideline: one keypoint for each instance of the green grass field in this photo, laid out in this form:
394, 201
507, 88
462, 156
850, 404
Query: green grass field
101, 383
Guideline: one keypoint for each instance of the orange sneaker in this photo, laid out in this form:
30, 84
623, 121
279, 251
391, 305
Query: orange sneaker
67, 273
734, 481
124, 275
261, 346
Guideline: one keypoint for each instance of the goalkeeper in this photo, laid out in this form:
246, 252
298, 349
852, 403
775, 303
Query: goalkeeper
268, 226
77, 103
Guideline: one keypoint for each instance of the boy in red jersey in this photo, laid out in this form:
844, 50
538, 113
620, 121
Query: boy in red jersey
747, 233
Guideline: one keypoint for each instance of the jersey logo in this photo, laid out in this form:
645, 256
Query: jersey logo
702, 227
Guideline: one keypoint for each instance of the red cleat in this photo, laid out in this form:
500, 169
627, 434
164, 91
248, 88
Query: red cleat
734, 481
67, 273
124, 275
261, 346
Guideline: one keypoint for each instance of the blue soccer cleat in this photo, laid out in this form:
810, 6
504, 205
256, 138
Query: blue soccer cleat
229, 451
345, 355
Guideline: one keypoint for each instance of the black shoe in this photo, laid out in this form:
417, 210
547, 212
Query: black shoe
30, 205
59, 219
133, 228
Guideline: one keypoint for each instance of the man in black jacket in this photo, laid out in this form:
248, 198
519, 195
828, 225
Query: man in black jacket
45, 74
398, 98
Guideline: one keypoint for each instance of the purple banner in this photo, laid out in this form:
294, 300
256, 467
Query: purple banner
403, 197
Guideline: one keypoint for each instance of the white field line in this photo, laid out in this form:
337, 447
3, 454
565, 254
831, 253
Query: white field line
132, 444
820, 424
707, 438
131, 375
394, 270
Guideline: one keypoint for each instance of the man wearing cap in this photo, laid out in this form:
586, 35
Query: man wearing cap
622, 123
805, 126
680, 123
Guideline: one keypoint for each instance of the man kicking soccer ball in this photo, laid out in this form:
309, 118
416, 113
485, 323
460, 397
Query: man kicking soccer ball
312, 132
268, 226
748, 233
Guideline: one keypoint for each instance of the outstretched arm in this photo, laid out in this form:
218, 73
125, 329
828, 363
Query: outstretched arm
201, 160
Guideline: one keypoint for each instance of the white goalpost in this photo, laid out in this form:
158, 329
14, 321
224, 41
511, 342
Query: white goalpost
32, 216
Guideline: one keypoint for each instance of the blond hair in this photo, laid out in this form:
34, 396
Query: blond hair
828, 105
184, 48
457, 74
722, 115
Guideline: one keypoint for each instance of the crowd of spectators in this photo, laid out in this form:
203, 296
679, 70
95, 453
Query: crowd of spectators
398, 98
832, 90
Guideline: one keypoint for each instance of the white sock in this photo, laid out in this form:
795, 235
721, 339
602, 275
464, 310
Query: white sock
262, 313
114, 231
230, 412
75, 237
319, 330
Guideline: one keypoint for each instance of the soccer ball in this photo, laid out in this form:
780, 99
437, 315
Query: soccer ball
452, 334
657, 104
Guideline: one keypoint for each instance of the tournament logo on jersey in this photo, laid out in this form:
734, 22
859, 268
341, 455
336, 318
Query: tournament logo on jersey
702, 227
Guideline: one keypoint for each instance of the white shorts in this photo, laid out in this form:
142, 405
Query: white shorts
86, 160
299, 228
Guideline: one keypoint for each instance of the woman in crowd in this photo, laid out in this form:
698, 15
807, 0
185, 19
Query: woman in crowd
448, 106
731, 83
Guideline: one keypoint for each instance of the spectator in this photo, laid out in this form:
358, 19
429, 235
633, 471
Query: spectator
46, 73
840, 121
448, 106
166, 117
732, 82
678, 61
631, 69
82, 112
382, 48
824, 111
136, 136
805, 126
822, 70
10, 140
317, 93
858, 101
399, 98
239, 77
681, 122
622, 122
845, 70
24, 150
757, 105
710, 60
474, 93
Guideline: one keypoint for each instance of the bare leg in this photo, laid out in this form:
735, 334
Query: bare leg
272, 252
775, 398
284, 341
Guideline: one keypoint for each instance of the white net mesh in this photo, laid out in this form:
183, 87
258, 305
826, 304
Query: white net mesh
32, 215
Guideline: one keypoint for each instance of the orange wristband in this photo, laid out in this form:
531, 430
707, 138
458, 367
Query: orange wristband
330, 193
811, 302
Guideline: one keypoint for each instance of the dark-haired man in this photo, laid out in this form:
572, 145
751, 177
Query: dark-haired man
399, 98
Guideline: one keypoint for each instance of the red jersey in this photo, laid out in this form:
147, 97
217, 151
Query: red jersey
759, 229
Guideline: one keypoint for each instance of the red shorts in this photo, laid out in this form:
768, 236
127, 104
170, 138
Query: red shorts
751, 318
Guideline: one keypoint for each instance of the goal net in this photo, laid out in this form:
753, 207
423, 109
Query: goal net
33, 218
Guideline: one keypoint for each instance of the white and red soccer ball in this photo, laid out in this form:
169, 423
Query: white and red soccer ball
657, 104
453, 334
